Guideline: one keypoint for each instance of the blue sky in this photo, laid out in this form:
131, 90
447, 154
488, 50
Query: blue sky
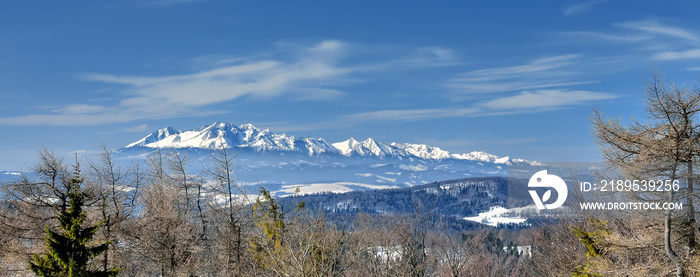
511, 78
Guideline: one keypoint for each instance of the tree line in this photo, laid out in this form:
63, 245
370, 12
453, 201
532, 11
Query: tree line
160, 220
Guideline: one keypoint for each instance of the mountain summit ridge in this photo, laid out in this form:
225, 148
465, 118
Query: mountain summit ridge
220, 134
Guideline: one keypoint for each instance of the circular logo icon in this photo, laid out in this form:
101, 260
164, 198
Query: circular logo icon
543, 180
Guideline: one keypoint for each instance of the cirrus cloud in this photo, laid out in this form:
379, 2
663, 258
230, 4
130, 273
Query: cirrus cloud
299, 73
546, 99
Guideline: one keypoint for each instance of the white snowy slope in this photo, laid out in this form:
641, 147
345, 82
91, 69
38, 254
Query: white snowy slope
226, 135
220, 135
351, 147
337, 187
422, 151
497, 215
484, 157
8, 176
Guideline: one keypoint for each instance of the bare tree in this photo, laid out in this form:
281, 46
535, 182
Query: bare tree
28, 205
166, 235
314, 247
116, 190
230, 209
661, 148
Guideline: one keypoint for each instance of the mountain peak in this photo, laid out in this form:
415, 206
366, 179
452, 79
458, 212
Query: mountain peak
248, 126
349, 147
155, 137
369, 141
226, 135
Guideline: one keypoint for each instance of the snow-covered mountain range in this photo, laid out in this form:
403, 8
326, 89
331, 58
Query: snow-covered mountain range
283, 163
247, 136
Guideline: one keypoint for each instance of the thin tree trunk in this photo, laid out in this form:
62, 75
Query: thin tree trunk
238, 250
680, 271
105, 262
691, 209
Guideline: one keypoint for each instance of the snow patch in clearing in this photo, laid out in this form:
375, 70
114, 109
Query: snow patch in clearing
387, 178
495, 216
418, 167
339, 187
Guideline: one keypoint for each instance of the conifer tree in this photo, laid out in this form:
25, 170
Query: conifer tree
67, 251
269, 218
270, 250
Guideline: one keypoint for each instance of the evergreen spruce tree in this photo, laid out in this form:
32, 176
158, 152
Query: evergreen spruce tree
68, 252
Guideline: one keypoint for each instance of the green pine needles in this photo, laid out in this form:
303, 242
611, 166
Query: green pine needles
67, 251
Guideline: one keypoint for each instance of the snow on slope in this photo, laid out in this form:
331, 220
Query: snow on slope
350, 147
484, 157
226, 135
9, 176
495, 216
422, 151
338, 187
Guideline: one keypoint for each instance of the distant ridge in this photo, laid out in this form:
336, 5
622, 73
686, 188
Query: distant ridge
220, 135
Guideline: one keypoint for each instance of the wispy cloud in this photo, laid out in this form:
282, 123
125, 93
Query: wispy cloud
141, 128
422, 57
598, 36
304, 73
677, 55
652, 37
524, 102
534, 66
262, 79
411, 115
658, 28
582, 8
669, 42
109, 115
540, 73
136, 129
185, 95
546, 99
428, 57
